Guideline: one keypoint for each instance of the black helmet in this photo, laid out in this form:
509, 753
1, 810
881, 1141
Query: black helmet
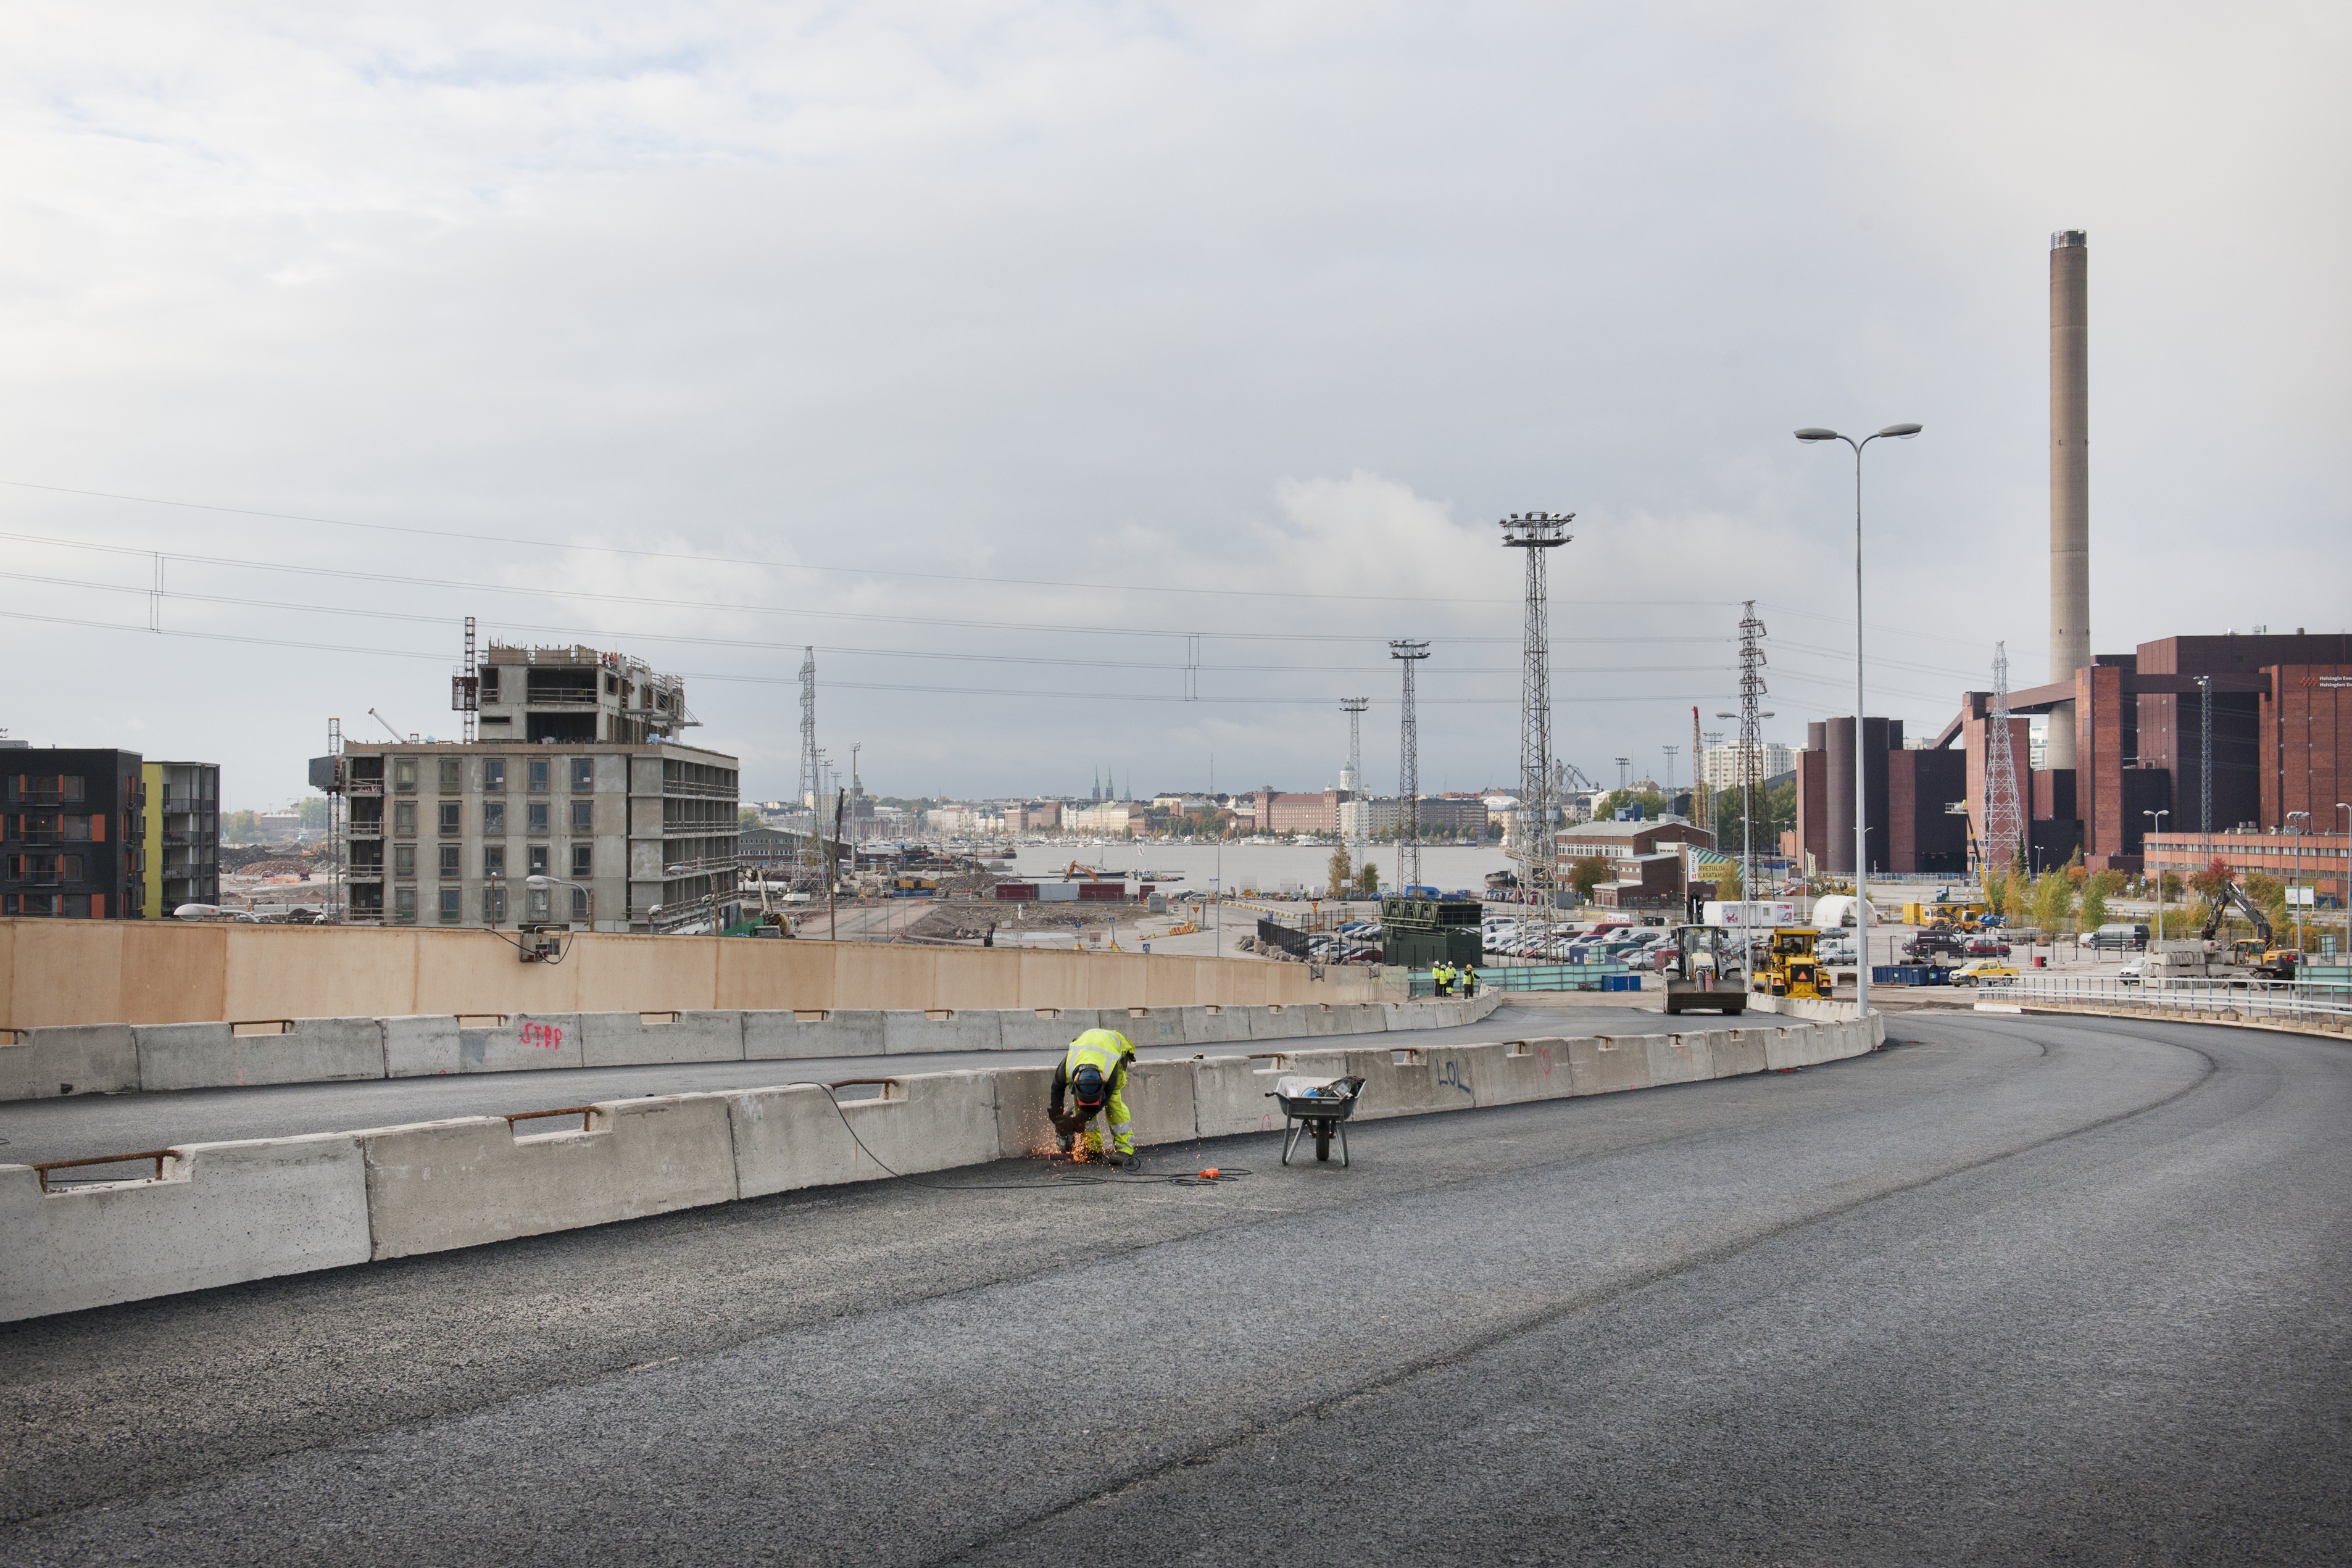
1086, 1086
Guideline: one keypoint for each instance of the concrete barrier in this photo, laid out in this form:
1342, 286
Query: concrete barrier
1147, 1026
918, 1034
1276, 1023
1022, 1129
219, 1214
788, 1138
1607, 1065
443, 1184
640, 1040
1733, 1053
1159, 1096
217, 1056
1810, 1045
1678, 1058
1519, 1070
73, 1058
1229, 1095
523, 1044
1216, 1025
1046, 1028
798, 1036
422, 1046
923, 1122
1411, 1081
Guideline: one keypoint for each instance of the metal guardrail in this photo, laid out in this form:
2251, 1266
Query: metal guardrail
2263, 998
1526, 977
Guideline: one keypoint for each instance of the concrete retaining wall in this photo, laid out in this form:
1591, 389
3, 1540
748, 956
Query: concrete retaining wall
112, 1058
223, 1213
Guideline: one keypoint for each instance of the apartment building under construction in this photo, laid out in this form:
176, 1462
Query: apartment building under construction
577, 777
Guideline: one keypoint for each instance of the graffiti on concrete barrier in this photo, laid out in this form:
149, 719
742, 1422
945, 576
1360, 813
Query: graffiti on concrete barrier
1451, 1078
541, 1035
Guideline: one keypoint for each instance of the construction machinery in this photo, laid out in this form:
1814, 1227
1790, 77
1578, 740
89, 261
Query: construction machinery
1704, 974
1788, 965
2259, 954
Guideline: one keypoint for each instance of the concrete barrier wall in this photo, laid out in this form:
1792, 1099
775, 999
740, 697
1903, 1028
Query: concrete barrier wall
220, 1214
223, 1213
443, 1184
212, 1055
116, 1058
77, 1059
636, 1039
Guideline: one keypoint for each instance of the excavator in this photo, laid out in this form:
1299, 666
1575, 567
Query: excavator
2259, 953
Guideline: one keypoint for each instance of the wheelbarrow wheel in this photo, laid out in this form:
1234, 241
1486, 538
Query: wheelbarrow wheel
1322, 1140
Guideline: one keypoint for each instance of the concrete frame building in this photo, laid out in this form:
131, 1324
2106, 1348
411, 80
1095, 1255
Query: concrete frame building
73, 834
183, 812
443, 833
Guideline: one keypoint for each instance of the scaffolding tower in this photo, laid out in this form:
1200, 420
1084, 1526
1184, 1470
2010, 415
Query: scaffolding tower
2004, 823
1408, 772
1537, 533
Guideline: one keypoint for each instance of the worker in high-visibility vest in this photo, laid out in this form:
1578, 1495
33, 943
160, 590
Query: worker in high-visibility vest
1469, 980
1093, 1078
1441, 977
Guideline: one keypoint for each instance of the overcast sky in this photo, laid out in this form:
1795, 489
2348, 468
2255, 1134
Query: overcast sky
881, 325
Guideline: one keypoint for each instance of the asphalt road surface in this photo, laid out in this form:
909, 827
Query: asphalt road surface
2047, 1290
91, 1125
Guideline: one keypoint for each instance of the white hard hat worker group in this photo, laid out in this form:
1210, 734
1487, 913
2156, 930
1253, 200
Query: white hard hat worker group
1093, 1079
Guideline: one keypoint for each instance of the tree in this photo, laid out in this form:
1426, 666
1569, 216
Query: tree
746, 818
1367, 880
2076, 872
238, 827
1996, 891
1342, 871
2053, 901
1653, 804
2213, 879
2094, 903
1588, 873
312, 813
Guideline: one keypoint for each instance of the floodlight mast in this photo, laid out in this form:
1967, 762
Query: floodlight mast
1533, 846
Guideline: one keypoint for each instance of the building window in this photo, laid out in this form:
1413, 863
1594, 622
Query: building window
452, 775
535, 903
452, 816
584, 773
40, 904
583, 816
493, 902
538, 819
494, 775
403, 860
539, 860
494, 861
452, 907
449, 868
404, 774
403, 905
494, 817
579, 903
490, 692
538, 775
583, 859
404, 819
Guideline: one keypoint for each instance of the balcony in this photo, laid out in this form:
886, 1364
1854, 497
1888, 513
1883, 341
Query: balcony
364, 831
364, 873
372, 788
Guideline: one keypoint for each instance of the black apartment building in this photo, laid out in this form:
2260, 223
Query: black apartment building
72, 833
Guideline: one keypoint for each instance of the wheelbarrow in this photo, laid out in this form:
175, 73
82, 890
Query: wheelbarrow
1320, 1105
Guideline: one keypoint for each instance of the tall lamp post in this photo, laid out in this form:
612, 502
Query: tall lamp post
2298, 834
1860, 768
2158, 827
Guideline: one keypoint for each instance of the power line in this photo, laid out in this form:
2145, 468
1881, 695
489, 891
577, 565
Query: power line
474, 537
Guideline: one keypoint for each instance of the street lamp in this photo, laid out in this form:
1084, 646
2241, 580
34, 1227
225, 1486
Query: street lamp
2158, 827
2298, 834
541, 884
1814, 433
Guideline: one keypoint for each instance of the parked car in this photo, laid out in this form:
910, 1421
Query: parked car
1977, 971
1929, 944
2131, 973
1985, 947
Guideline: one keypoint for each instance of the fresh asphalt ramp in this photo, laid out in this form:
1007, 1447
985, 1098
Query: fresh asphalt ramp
86, 1126
2011, 1290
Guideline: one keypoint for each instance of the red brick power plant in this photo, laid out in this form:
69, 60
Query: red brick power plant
2266, 716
